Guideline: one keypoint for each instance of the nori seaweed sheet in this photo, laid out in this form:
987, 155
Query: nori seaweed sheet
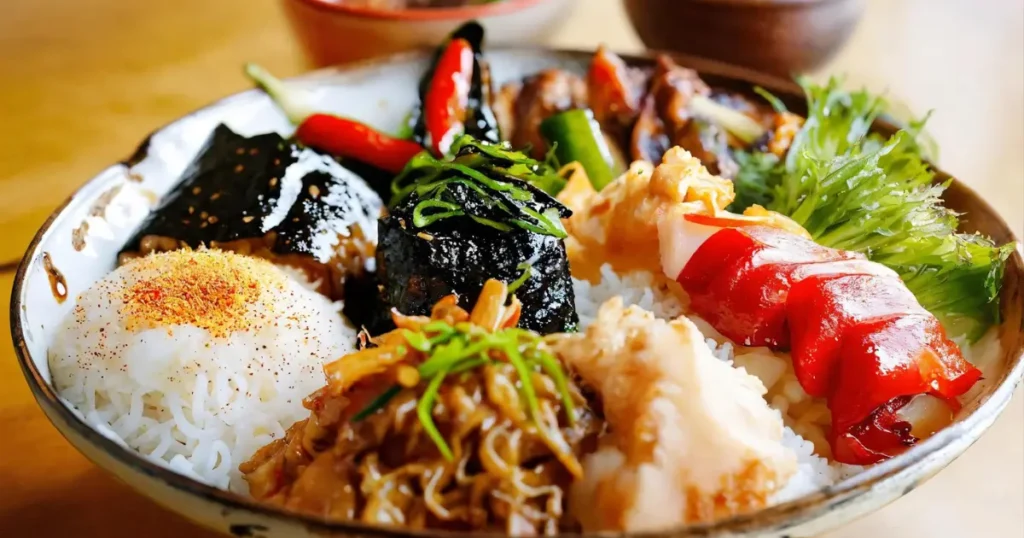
419, 266
244, 188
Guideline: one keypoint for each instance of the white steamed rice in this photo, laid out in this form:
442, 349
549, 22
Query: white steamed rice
183, 397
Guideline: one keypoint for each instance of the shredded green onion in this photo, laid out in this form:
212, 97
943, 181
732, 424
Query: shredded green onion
420, 220
465, 347
527, 270
424, 409
506, 189
378, 403
492, 223
774, 101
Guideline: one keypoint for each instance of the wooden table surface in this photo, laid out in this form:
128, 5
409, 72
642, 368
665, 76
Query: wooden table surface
84, 81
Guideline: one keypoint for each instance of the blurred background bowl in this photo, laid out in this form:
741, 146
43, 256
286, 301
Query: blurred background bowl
336, 32
780, 36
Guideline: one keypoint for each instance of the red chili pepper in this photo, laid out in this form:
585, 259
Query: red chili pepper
331, 134
351, 139
447, 98
858, 336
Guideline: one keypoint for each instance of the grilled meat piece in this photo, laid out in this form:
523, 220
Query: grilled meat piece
615, 93
543, 95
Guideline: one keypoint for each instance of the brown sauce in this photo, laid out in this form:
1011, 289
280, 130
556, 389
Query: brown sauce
58, 285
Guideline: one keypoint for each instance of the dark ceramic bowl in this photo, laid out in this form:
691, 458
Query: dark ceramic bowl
381, 92
779, 36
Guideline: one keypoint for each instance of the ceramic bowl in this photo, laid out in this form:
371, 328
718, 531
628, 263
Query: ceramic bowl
65, 258
780, 36
333, 32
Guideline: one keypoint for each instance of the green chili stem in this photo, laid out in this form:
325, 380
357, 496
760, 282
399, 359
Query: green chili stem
294, 108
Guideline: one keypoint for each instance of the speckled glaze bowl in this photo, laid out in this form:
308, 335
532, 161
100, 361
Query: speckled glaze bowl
79, 243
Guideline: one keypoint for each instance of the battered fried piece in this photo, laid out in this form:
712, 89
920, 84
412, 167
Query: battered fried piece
619, 225
691, 438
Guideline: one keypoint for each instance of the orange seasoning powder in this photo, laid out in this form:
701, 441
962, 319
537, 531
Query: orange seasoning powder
212, 290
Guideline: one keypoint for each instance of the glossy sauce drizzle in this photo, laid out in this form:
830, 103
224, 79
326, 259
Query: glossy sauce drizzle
58, 286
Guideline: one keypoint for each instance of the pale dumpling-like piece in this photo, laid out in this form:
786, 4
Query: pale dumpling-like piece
691, 437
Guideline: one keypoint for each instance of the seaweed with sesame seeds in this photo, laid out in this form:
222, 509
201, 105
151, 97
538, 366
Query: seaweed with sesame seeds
267, 196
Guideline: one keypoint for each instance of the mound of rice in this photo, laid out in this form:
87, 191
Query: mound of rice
196, 359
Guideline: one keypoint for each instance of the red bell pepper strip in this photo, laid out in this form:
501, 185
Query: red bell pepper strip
333, 134
444, 106
743, 277
884, 432
859, 338
821, 308
886, 360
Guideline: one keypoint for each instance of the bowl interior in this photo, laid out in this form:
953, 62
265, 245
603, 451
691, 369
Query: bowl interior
81, 240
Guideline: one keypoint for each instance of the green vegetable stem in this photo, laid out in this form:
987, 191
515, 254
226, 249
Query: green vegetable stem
576, 136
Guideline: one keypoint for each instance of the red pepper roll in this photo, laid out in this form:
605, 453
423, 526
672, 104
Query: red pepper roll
738, 280
857, 335
822, 308
883, 431
885, 360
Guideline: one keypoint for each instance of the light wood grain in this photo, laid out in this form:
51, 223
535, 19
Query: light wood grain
85, 80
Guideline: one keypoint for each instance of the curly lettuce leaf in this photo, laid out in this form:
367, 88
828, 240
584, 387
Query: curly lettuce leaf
754, 181
857, 191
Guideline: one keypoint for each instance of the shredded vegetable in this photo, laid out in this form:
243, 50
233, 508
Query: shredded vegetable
489, 183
